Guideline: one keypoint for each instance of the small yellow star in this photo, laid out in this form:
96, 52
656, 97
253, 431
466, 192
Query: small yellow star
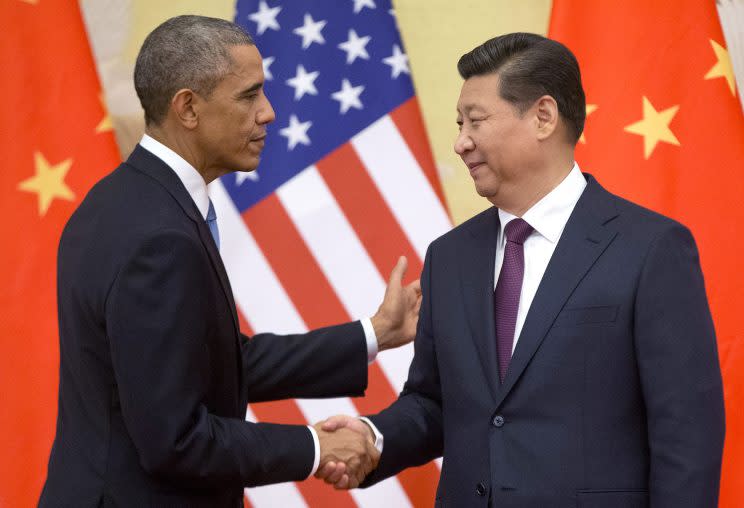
48, 182
654, 127
722, 68
590, 108
105, 124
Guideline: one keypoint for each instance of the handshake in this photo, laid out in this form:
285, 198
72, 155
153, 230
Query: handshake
347, 451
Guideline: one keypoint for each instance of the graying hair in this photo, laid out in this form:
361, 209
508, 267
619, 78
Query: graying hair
184, 52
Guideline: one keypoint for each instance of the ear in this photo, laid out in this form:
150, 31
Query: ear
546, 116
182, 105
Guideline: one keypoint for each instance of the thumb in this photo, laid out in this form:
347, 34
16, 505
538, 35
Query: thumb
396, 276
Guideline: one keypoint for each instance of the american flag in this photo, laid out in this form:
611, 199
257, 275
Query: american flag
347, 184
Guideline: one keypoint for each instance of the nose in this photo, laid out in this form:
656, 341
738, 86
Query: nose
265, 114
463, 143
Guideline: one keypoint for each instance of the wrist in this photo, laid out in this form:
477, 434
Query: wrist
382, 328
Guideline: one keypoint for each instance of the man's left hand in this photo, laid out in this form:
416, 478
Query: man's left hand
396, 319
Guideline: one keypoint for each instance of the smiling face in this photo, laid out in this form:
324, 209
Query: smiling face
232, 120
499, 145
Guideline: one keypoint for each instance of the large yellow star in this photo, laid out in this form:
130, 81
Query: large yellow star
722, 68
590, 108
48, 182
105, 124
654, 127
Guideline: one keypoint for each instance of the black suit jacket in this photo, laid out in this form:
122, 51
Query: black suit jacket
613, 397
154, 373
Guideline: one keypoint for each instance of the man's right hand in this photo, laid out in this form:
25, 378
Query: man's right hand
346, 456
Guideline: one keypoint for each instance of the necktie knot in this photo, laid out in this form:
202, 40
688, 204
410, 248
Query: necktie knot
517, 231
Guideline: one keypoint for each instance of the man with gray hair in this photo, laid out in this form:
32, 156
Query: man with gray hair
154, 373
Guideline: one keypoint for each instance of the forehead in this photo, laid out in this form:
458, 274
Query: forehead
246, 64
479, 92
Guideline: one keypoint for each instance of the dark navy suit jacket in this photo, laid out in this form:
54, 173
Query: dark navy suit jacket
613, 397
154, 373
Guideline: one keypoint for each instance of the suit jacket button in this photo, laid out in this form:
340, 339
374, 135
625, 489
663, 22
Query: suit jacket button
498, 421
480, 489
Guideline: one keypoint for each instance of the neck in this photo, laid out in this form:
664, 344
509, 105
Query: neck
540, 185
180, 144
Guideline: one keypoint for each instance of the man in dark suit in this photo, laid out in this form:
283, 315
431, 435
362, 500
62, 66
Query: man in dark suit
565, 354
154, 373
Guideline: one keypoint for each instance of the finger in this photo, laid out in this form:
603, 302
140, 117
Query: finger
343, 483
336, 474
334, 423
396, 276
325, 470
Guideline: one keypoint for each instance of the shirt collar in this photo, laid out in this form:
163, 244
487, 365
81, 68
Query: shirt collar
189, 176
549, 216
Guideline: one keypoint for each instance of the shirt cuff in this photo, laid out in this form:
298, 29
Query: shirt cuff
369, 334
378, 436
316, 444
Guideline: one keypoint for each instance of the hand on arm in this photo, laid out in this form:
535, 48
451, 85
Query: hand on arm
396, 319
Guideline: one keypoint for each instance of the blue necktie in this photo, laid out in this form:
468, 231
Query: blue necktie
212, 223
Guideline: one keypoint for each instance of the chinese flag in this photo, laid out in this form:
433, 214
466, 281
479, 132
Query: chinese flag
665, 129
56, 143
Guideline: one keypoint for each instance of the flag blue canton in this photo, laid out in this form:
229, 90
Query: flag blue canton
332, 68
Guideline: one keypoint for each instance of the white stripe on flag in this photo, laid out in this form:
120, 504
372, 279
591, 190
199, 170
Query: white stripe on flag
333, 242
259, 294
402, 183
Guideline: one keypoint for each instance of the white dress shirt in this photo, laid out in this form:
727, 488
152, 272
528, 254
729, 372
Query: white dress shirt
197, 189
548, 218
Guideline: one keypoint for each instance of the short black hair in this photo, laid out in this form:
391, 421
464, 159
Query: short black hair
184, 52
530, 66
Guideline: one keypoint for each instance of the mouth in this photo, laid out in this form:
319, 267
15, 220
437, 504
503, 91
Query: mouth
259, 138
472, 166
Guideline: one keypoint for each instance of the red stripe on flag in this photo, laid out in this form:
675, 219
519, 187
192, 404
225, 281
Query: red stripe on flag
294, 264
365, 208
407, 118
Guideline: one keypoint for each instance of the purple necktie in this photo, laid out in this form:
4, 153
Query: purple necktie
508, 289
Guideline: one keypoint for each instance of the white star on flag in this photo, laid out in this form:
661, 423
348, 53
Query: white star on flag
242, 176
398, 62
266, 64
310, 31
361, 4
296, 132
348, 96
355, 47
265, 17
303, 82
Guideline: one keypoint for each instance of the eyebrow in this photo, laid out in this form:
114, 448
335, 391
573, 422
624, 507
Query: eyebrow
468, 108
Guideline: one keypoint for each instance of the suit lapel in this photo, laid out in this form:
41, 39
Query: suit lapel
147, 163
587, 234
477, 275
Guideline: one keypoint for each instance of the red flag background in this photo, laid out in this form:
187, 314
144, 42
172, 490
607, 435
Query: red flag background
56, 143
665, 129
